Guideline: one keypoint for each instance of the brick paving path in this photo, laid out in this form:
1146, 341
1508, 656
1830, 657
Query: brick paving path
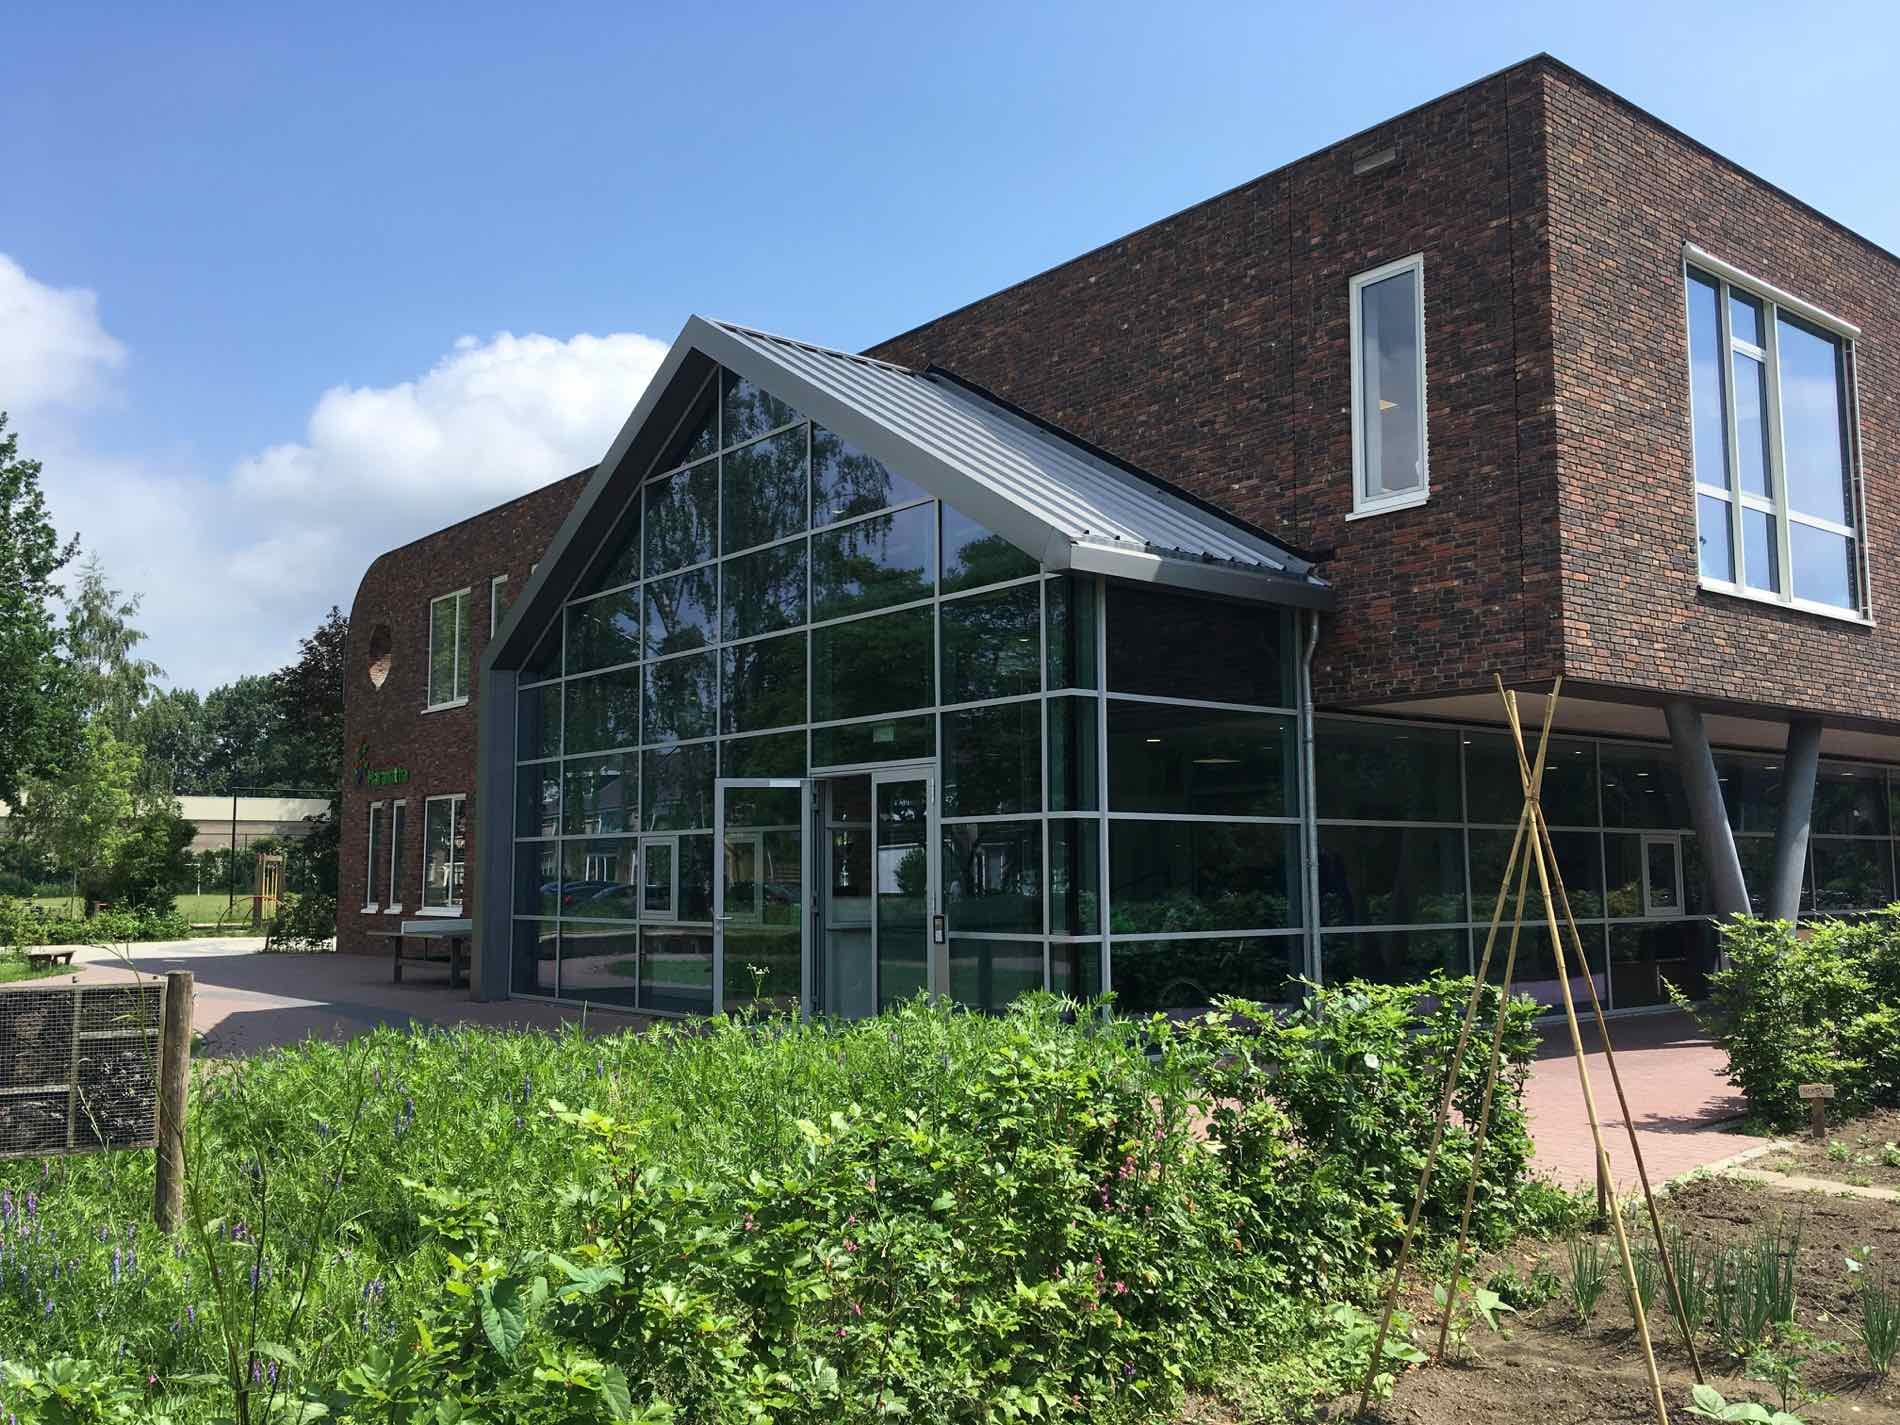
1682, 1103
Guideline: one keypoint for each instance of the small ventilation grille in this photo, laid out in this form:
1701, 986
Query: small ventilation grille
1371, 160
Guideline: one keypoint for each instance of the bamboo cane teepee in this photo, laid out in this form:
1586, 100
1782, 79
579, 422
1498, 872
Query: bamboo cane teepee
1532, 849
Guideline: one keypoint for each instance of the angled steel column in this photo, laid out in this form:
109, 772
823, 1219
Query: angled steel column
1799, 769
1728, 893
491, 881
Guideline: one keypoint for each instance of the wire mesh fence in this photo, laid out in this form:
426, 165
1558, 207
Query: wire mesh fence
79, 1068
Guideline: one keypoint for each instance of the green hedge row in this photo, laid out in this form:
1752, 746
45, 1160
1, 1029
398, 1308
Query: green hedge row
1821, 1006
929, 1215
22, 924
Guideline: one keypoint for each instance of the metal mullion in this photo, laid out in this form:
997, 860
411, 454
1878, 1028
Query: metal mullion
928, 601
1042, 749
1251, 934
1816, 522
990, 702
1392, 825
1771, 363
1738, 565
1105, 961
1198, 817
982, 589
850, 520
1159, 701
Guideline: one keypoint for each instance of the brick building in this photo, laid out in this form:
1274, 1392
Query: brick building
1135, 626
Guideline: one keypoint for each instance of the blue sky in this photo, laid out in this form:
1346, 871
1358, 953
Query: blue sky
266, 206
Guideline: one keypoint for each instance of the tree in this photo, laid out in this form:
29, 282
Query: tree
175, 740
111, 682
245, 748
38, 727
79, 818
309, 698
152, 864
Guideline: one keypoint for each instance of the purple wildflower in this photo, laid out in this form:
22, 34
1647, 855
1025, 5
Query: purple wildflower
118, 1265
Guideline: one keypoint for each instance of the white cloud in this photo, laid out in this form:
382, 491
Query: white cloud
236, 565
53, 350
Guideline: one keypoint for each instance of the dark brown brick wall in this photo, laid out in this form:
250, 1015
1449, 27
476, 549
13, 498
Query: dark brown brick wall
1626, 192
1212, 348
437, 748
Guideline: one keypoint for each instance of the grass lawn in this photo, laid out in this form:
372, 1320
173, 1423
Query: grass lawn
209, 908
13, 968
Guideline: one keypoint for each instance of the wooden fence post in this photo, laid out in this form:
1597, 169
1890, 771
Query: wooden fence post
174, 1077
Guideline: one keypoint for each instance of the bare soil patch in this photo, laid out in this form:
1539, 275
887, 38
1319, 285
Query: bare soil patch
1863, 1152
1550, 1367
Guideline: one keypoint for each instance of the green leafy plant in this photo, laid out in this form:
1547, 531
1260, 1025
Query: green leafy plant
1589, 1274
1526, 1293
1357, 1331
1780, 1366
1692, 1275
1646, 1267
1708, 1403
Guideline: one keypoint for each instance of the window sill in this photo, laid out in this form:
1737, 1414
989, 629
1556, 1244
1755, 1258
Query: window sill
1800, 606
1386, 507
371, 909
445, 707
392, 910
450, 911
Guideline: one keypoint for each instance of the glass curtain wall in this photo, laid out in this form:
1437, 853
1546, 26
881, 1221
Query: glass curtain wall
1416, 821
1116, 765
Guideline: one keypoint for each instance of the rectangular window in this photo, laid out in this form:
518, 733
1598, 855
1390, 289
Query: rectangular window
398, 826
444, 853
449, 650
1388, 387
1776, 513
497, 602
372, 860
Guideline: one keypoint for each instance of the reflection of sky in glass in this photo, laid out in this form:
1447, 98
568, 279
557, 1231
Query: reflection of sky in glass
1389, 330
1759, 561
1751, 431
1715, 539
1811, 422
1705, 377
1823, 566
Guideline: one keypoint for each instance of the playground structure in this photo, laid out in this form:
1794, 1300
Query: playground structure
1532, 847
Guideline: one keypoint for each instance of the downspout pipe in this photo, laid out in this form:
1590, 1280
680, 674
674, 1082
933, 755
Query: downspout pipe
1800, 768
1728, 893
1309, 800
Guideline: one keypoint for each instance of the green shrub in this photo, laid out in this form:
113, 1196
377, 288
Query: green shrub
151, 864
108, 927
1818, 1009
932, 1214
303, 922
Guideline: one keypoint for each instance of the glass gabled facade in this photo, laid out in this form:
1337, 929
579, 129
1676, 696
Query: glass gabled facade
800, 709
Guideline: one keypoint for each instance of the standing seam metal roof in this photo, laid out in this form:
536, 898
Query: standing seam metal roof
1086, 499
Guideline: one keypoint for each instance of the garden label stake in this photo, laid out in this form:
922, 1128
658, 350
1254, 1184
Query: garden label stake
1451, 1072
1583, 1078
1683, 1323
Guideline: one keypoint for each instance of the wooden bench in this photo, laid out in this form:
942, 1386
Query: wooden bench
454, 936
39, 959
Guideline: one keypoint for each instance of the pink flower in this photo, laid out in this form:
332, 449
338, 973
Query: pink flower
1121, 1288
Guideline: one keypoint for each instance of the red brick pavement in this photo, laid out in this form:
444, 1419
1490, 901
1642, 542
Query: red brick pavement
1685, 1109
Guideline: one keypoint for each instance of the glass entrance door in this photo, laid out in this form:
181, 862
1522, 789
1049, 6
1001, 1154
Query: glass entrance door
907, 935
760, 915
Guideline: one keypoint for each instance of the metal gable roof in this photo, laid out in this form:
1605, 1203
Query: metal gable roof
1050, 495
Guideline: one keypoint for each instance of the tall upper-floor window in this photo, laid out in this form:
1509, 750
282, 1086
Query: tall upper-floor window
1388, 387
1776, 507
450, 649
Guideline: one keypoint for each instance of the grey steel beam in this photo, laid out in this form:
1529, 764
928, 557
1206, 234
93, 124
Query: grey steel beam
491, 948
1799, 769
1728, 892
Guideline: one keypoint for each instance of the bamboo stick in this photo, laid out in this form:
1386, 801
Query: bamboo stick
1589, 1101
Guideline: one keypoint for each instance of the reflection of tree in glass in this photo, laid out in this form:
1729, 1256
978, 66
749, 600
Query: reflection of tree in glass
873, 665
847, 482
680, 612
749, 409
871, 564
985, 559
995, 875
764, 490
765, 591
989, 645
913, 873
682, 514
764, 684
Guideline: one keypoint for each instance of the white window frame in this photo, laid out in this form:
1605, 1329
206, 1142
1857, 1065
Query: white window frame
370, 903
1773, 302
458, 810
1364, 505
1651, 910
458, 697
495, 586
398, 811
